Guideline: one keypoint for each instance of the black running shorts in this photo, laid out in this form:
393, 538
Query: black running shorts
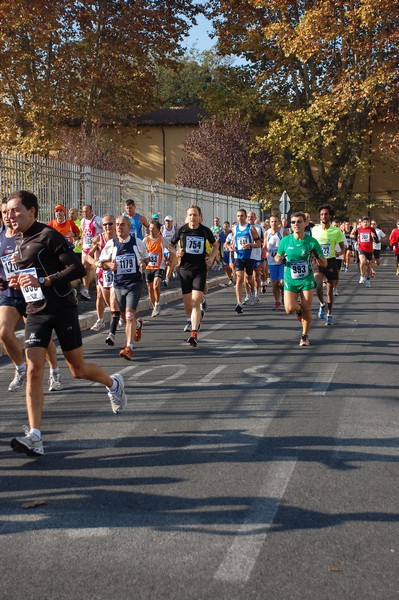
39, 329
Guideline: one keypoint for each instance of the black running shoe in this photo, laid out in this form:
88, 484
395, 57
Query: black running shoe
192, 340
238, 309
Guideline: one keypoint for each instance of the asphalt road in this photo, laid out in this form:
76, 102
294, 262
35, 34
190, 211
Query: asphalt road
247, 467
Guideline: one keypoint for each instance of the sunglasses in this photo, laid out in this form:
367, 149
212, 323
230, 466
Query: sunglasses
106, 224
293, 222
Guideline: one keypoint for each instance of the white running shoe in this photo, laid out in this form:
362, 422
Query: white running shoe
156, 310
18, 381
246, 300
118, 399
187, 326
110, 339
335, 292
54, 382
98, 325
31, 444
362, 279
252, 299
84, 294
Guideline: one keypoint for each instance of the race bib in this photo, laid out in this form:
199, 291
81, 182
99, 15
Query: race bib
126, 264
108, 278
153, 260
365, 237
9, 268
195, 245
326, 250
299, 269
30, 293
242, 241
87, 241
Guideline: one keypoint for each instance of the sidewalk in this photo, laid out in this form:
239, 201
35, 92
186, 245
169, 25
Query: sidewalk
87, 309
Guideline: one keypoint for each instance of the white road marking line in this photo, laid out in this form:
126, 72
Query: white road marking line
323, 379
211, 375
211, 330
242, 555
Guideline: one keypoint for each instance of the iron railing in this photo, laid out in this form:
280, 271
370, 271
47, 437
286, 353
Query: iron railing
55, 182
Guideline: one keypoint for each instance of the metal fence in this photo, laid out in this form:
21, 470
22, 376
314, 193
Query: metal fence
55, 182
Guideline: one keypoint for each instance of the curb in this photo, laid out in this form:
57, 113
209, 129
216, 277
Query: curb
87, 320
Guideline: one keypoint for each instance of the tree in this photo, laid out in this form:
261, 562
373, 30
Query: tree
67, 61
329, 70
211, 81
221, 157
95, 149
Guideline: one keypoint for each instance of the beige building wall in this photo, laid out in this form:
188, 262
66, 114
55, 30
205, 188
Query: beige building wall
158, 152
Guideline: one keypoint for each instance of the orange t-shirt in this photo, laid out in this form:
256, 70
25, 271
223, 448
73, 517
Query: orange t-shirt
67, 228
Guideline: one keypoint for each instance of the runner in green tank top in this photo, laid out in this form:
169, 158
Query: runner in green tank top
297, 250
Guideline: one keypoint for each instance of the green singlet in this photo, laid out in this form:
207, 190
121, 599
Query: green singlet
298, 273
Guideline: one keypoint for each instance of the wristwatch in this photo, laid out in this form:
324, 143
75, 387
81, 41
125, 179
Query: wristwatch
42, 280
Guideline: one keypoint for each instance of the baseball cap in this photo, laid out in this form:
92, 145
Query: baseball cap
168, 218
60, 207
155, 216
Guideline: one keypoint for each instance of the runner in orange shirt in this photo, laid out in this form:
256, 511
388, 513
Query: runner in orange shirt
64, 226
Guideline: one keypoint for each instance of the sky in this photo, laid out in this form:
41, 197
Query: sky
199, 37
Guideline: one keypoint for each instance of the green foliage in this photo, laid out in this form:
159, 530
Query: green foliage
329, 71
208, 80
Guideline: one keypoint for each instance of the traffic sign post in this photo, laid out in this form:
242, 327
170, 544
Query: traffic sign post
284, 205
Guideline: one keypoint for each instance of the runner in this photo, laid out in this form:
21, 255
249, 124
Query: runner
12, 309
104, 278
192, 238
46, 264
272, 241
256, 256
137, 222
125, 255
365, 235
347, 230
377, 247
295, 251
309, 224
339, 256
216, 230
64, 226
168, 230
264, 268
394, 243
73, 215
156, 246
91, 226
226, 254
243, 240
328, 238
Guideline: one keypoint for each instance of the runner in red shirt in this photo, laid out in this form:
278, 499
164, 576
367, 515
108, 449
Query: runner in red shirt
394, 243
365, 236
